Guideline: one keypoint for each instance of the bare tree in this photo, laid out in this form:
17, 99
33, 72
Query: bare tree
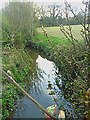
54, 12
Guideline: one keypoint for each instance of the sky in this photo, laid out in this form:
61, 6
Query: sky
44, 0
74, 2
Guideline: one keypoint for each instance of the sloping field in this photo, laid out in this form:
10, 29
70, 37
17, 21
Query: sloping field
55, 31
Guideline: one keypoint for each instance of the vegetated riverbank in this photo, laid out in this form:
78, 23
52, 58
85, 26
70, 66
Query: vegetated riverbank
61, 51
15, 34
19, 62
45, 73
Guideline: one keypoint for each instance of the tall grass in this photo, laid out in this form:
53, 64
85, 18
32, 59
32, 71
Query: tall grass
55, 31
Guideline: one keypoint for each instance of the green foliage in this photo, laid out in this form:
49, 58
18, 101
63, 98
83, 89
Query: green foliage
8, 98
71, 61
72, 56
19, 23
18, 62
45, 42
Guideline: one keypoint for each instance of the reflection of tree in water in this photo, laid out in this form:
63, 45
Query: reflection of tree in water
34, 56
56, 91
37, 80
36, 76
20, 107
39, 76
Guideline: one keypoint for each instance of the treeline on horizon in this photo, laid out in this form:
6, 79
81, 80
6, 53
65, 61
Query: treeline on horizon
54, 16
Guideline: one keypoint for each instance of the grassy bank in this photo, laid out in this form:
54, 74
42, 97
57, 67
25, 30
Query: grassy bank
55, 31
18, 62
49, 45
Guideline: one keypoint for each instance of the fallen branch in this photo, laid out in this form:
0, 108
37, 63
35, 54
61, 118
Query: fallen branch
10, 79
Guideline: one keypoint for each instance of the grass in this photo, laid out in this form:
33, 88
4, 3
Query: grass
51, 43
53, 39
56, 39
55, 31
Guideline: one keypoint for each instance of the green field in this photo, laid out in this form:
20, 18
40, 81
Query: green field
55, 31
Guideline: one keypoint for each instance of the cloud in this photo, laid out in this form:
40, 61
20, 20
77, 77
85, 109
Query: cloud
76, 3
56, 1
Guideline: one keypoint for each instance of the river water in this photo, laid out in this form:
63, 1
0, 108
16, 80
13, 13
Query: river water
43, 73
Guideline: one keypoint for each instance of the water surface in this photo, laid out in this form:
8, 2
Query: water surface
43, 72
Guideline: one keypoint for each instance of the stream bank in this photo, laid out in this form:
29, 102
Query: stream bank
24, 72
57, 50
33, 77
44, 71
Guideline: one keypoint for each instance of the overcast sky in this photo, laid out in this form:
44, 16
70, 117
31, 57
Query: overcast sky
44, 0
76, 3
57, 0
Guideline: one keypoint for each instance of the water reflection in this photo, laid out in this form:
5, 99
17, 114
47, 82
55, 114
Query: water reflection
43, 71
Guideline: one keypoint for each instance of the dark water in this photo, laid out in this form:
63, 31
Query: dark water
43, 71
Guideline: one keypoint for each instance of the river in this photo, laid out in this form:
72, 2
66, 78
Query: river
43, 72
